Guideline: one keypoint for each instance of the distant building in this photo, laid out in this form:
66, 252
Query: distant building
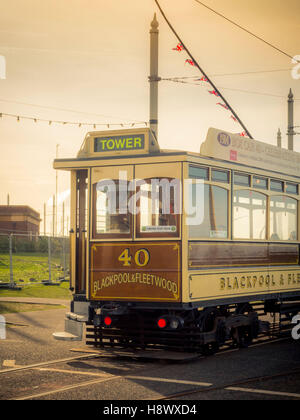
19, 219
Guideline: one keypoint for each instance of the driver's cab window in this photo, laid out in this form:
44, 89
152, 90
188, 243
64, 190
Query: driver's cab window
111, 218
158, 200
111, 194
158, 207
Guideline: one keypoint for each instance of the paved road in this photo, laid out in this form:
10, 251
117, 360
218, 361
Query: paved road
124, 379
29, 337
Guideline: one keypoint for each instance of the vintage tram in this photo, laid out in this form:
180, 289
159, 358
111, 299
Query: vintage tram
177, 250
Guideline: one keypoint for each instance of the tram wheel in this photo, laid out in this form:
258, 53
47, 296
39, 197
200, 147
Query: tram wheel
206, 323
243, 336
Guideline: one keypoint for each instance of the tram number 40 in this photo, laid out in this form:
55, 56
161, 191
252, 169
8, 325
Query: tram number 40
141, 257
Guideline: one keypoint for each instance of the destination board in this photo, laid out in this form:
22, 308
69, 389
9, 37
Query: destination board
135, 141
119, 143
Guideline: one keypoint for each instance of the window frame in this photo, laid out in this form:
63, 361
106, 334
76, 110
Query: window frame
296, 200
256, 186
241, 174
204, 168
287, 183
160, 235
266, 197
220, 181
108, 235
274, 189
226, 187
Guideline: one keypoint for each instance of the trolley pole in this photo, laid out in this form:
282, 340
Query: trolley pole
291, 132
153, 78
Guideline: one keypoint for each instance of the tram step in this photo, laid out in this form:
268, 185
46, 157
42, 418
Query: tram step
64, 336
73, 331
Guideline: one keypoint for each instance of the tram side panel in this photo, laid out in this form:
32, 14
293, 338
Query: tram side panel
237, 272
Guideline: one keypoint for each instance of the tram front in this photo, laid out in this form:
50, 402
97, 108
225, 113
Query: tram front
126, 241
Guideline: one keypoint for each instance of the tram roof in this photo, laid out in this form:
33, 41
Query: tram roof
219, 145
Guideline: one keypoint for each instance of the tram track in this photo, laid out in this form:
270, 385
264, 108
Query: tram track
98, 355
51, 362
103, 377
235, 386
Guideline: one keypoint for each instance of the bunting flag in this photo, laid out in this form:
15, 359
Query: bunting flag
190, 62
203, 79
223, 105
179, 47
213, 92
243, 134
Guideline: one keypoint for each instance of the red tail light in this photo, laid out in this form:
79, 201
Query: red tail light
107, 321
162, 323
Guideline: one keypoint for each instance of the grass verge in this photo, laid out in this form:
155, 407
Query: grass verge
40, 291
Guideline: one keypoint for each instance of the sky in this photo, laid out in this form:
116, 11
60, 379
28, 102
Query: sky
88, 61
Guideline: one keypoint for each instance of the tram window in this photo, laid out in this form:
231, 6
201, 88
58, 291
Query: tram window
215, 221
198, 172
260, 183
291, 188
219, 176
283, 218
242, 179
158, 207
249, 215
276, 185
111, 215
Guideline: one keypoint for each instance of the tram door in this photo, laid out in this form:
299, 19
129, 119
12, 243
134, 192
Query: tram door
79, 199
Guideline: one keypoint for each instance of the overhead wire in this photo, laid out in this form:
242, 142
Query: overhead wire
64, 122
202, 71
247, 31
177, 80
73, 111
233, 74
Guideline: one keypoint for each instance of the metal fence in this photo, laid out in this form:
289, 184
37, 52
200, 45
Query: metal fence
28, 259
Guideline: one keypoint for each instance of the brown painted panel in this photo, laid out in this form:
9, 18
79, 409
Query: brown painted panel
212, 254
136, 271
283, 254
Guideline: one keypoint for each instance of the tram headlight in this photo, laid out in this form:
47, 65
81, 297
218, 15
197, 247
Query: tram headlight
170, 322
174, 323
